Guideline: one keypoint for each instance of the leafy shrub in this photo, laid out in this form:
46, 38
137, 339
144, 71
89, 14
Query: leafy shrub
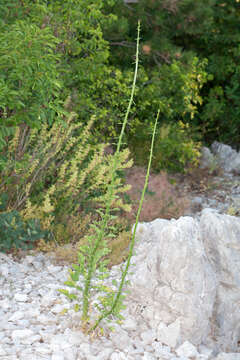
176, 31
175, 148
29, 77
51, 173
48, 51
15, 233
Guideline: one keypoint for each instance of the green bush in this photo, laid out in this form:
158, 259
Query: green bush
176, 31
15, 233
173, 150
61, 48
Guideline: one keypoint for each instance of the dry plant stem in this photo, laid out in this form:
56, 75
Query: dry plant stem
132, 243
110, 192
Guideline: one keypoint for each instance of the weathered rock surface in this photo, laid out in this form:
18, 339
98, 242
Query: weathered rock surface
187, 278
223, 155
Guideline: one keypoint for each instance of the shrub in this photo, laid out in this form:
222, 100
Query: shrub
176, 31
30, 82
51, 173
175, 148
15, 233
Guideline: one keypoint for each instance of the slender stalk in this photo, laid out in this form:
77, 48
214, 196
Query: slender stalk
132, 243
110, 192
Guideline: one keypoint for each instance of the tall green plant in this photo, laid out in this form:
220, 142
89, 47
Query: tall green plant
91, 264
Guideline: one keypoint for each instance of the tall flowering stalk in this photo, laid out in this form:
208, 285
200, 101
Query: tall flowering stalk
92, 269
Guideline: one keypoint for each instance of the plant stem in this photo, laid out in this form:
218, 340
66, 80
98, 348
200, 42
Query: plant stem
132, 243
110, 192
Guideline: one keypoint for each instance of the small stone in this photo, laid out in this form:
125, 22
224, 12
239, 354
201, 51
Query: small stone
21, 297
58, 308
31, 339
120, 339
43, 350
105, 354
163, 352
5, 304
120, 356
187, 350
57, 356
2, 351
26, 357
29, 259
129, 325
21, 334
169, 335
148, 356
205, 351
148, 337
86, 349
4, 271
228, 356
46, 320
18, 315
70, 353
76, 338
33, 313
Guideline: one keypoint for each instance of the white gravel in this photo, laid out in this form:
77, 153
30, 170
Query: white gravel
32, 328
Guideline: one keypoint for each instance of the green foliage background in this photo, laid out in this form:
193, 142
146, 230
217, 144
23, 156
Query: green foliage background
176, 32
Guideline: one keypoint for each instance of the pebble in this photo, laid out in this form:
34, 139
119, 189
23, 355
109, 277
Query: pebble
187, 350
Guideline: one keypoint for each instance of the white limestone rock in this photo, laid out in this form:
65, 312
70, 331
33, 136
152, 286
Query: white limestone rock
4, 270
187, 350
85, 348
2, 351
21, 297
129, 324
18, 315
120, 356
221, 236
21, 334
173, 277
228, 356
43, 350
148, 337
105, 354
148, 356
169, 335
120, 339
207, 160
57, 356
31, 339
205, 352
189, 272
161, 351
229, 159
70, 353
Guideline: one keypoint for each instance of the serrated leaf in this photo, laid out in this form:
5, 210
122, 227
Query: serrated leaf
70, 284
74, 276
76, 307
63, 291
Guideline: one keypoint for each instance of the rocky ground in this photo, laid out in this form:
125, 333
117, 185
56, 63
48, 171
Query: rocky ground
32, 326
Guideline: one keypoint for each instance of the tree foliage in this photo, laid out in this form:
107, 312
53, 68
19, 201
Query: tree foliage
176, 31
